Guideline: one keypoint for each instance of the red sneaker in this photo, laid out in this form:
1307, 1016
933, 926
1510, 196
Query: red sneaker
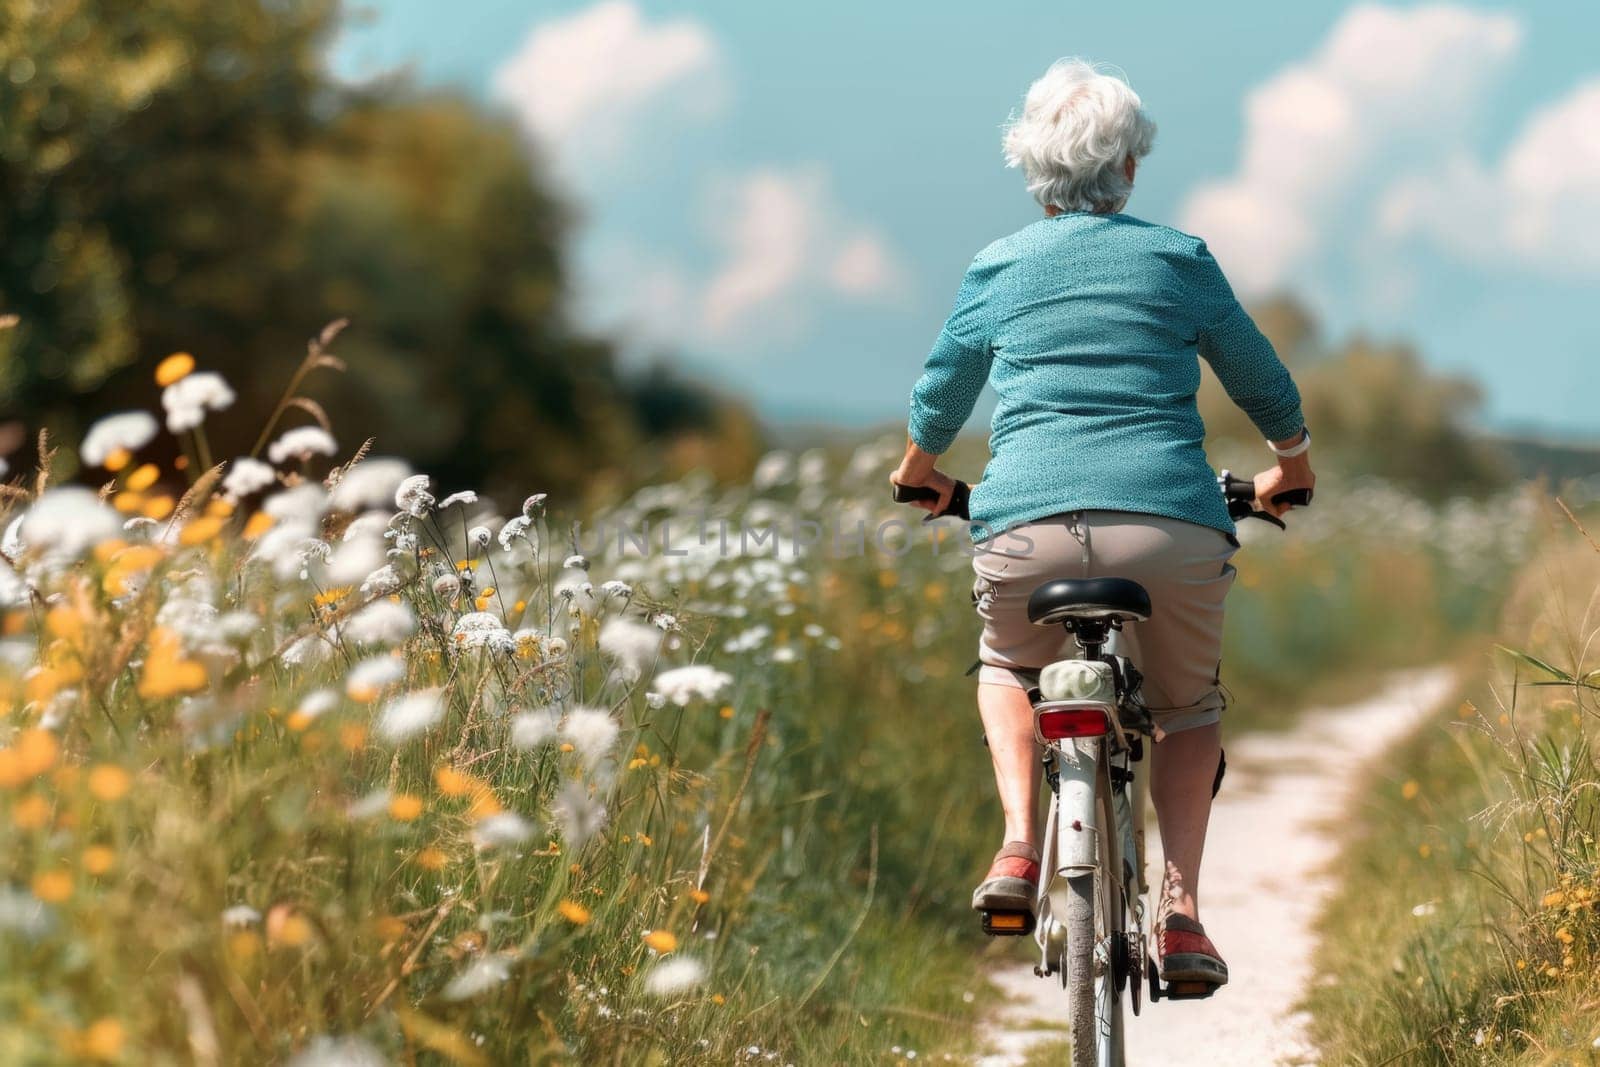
1012, 881
1185, 954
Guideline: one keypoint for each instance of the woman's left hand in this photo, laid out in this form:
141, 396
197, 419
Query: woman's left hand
934, 479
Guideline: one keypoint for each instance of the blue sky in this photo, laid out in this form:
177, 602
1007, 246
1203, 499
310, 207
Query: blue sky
784, 196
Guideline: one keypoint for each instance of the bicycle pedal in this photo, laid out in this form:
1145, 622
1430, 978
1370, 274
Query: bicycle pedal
1007, 923
1160, 990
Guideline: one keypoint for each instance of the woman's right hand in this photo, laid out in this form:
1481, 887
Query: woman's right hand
1294, 473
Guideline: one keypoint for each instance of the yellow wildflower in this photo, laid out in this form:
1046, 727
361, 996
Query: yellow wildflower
257, 524
166, 672
117, 459
52, 887
432, 859
108, 782
98, 859
453, 783
699, 896
662, 941
103, 1041
352, 737
573, 912
1410, 790
142, 477
31, 812
199, 531
404, 807
175, 367
159, 507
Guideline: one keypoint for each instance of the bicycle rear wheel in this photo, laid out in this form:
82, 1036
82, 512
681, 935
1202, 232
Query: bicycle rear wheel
1096, 915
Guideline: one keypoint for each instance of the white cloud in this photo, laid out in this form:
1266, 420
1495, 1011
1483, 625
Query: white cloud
1539, 205
1387, 86
784, 243
781, 245
584, 84
591, 86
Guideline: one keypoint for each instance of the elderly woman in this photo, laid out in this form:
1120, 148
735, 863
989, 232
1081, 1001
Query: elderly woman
1090, 324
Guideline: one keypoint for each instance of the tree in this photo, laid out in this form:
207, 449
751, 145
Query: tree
186, 175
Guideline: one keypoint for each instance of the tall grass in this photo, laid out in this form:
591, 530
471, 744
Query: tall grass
337, 765
1467, 931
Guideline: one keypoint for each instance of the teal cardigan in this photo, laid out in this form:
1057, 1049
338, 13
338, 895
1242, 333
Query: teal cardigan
1091, 328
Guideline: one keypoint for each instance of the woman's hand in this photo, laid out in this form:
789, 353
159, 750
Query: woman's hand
932, 479
1289, 474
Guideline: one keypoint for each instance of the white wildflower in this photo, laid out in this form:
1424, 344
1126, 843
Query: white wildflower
358, 557
303, 503
617, 589
632, 644
665, 620
247, 476
576, 561
513, 530
774, 468
369, 484
530, 729
412, 497
240, 915
371, 676
63, 524
578, 814
307, 651
681, 685
446, 586
125, 432
673, 975
302, 442
338, 1052
370, 806
382, 622
317, 702
534, 505
501, 829
479, 537
481, 975
1425, 909
189, 398
655, 701
466, 496
382, 582
591, 731
407, 716
480, 629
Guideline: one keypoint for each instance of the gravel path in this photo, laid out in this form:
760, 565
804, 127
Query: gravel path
1265, 879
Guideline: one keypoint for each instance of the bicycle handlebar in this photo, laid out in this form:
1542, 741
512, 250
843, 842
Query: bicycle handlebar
1240, 494
959, 497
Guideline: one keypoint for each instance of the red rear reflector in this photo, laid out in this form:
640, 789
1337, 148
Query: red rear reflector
1058, 723
1008, 920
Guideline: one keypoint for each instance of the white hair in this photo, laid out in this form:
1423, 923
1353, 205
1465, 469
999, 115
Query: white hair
1077, 129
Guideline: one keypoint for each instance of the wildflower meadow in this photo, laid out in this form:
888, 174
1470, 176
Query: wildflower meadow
307, 758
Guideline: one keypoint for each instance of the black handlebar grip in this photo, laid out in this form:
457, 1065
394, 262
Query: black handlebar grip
1294, 497
959, 497
906, 494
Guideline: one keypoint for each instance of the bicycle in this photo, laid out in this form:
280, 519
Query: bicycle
1089, 915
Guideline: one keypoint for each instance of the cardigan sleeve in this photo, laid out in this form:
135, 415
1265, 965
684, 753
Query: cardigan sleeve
955, 372
1240, 355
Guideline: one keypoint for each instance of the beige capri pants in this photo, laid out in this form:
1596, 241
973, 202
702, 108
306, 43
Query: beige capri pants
1184, 567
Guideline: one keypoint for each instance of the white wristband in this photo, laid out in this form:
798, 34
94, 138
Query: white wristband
1294, 450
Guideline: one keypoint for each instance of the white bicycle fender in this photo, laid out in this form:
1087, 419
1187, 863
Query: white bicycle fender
1077, 835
